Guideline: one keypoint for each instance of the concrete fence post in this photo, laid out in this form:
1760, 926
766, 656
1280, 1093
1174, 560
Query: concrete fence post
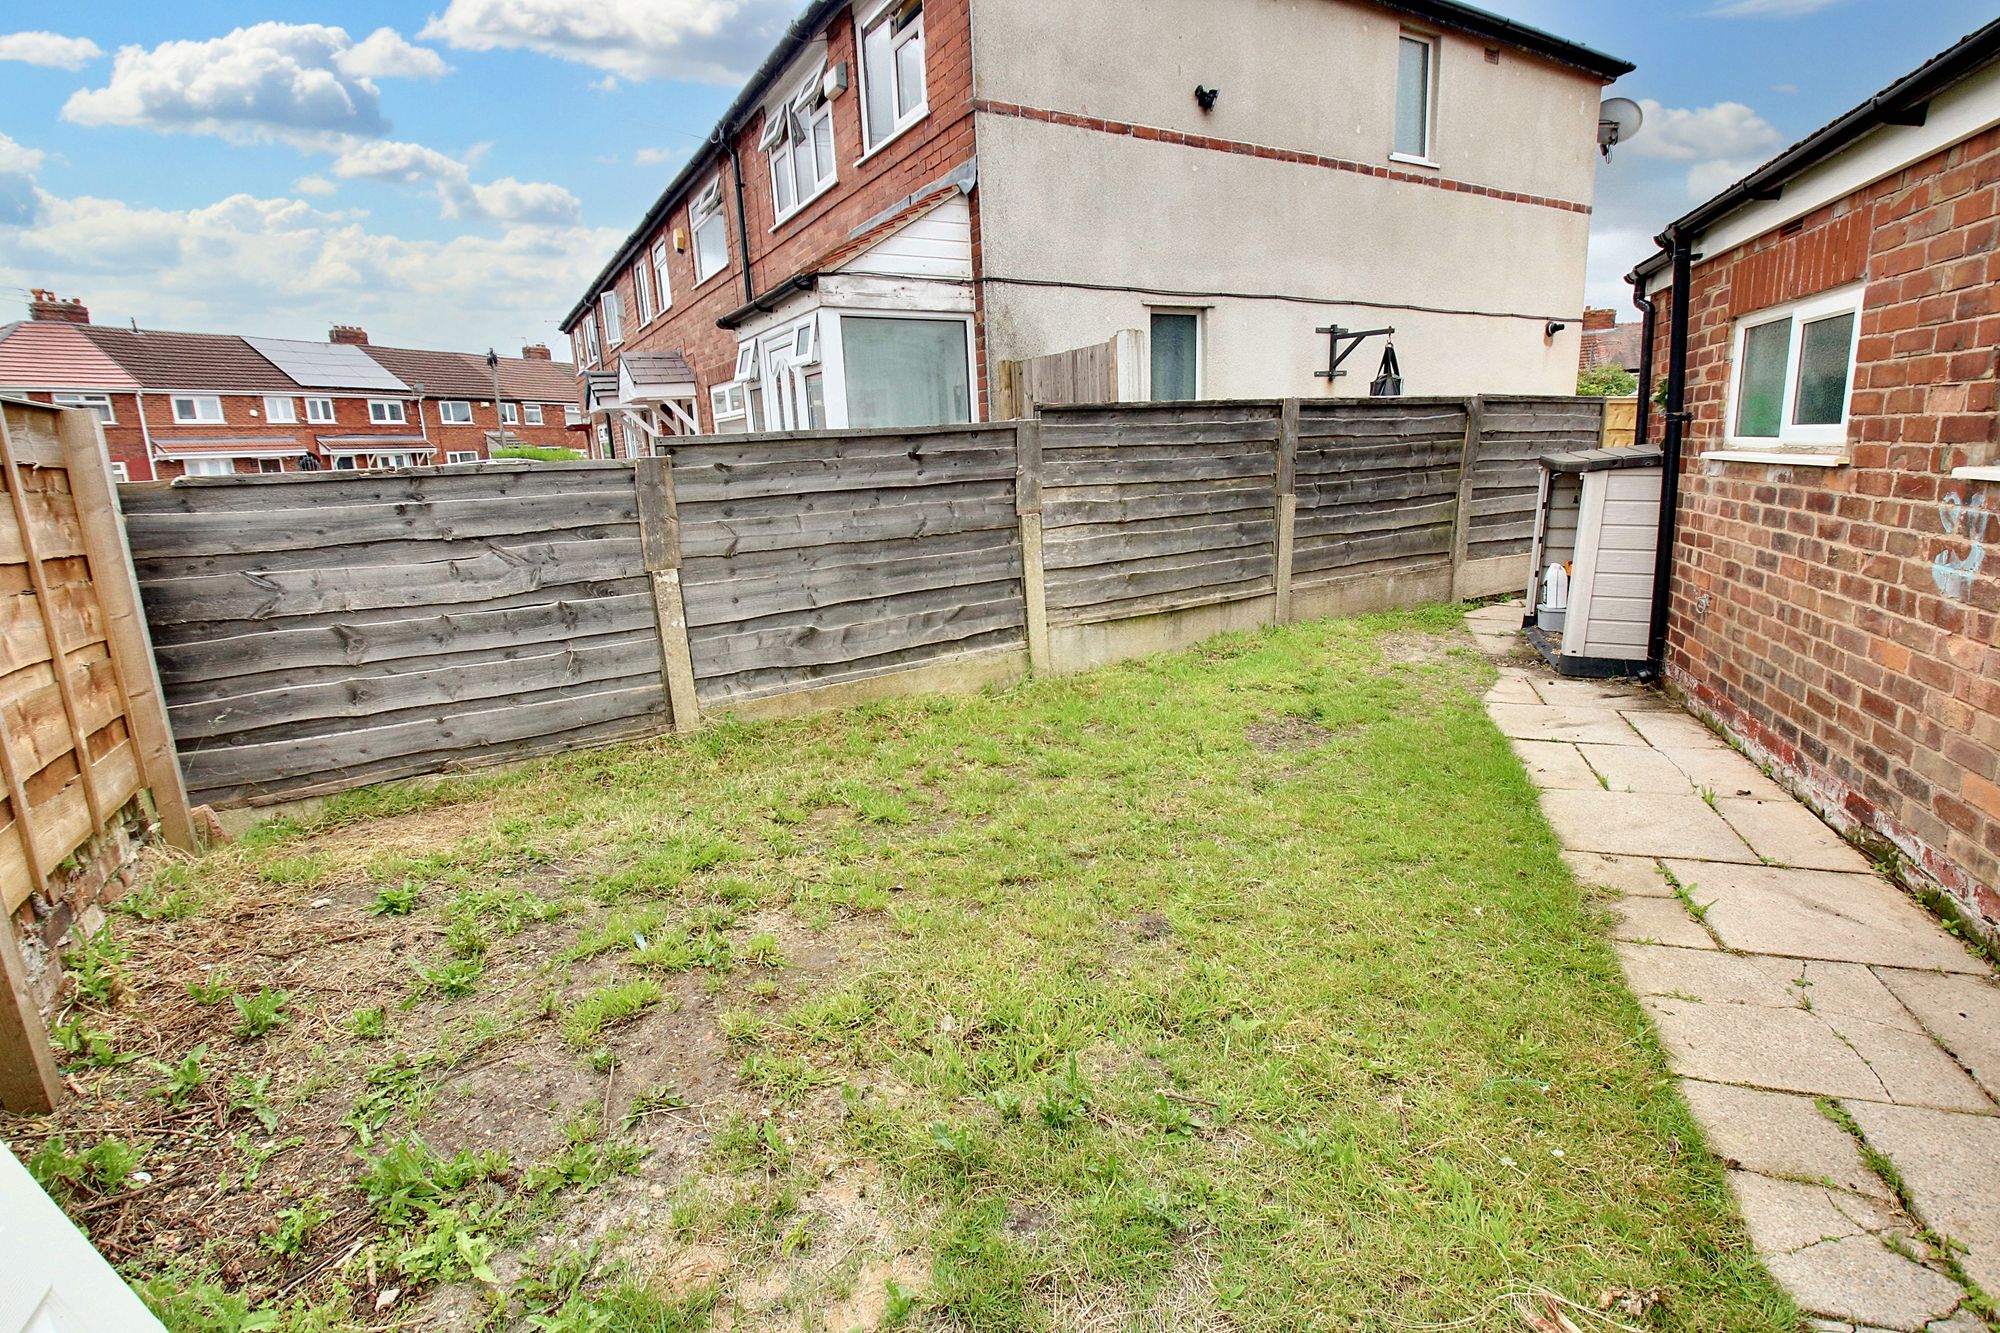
1468, 458
1288, 504
660, 548
1028, 507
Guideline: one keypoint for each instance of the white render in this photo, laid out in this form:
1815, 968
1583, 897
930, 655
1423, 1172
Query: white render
1062, 204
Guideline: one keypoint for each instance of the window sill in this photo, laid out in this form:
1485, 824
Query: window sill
917, 119
1976, 473
1792, 457
1412, 160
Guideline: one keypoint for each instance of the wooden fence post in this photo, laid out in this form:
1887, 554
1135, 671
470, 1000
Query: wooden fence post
660, 547
128, 639
1288, 503
1461, 536
1028, 506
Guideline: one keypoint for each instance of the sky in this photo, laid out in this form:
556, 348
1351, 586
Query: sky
450, 174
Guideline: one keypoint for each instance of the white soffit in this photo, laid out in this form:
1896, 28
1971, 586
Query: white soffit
327, 365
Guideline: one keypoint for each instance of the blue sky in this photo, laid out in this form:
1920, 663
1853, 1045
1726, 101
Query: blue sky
449, 174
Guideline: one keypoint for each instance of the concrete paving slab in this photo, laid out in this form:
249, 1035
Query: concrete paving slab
1555, 764
1672, 729
1951, 1165
1913, 1069
1962, 1012
1786, 1050
1860, 1279
1512, 690
1818, 914
1638, 875
1658, 921
1546, 722
1786, 832
1704, 977
1788, 1215
1500, 645
1593, 693
1723, 771
1636, 768
1642, 824
1779, 1134
1837, 991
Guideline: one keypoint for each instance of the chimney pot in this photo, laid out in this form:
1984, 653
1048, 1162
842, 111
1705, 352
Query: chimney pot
1598, 317
347, 335
536, 352
44, 304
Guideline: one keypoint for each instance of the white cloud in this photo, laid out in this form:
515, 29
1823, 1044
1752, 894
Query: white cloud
504, 200
314, 185
657, 157
1614, 251
1769, 9
297, 83
284, 267
1696, 134
48, 49
387, 54
712, 41
20, 200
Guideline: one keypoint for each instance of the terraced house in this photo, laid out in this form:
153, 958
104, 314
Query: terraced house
215, 404
912, 197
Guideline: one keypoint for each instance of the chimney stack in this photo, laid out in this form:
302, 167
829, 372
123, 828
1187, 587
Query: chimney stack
536, 352
1596, 317
46, 305
347, 335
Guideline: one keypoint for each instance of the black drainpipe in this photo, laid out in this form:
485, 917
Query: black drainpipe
1676, 418
742, 225
1648, 324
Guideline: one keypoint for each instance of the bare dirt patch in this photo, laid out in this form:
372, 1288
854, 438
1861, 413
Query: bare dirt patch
1280, 735
1418, 648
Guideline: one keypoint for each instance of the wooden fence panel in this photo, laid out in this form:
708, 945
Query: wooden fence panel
1378, 485
1514, 433
1157, 507
316, 630
1079, 375
847, 554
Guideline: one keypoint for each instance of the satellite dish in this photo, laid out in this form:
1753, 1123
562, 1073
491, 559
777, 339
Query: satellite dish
1618, 119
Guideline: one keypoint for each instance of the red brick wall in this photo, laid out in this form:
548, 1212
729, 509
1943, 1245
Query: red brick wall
930, 149
1817, 612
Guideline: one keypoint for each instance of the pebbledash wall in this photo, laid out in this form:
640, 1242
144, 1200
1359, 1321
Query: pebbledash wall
1844, 621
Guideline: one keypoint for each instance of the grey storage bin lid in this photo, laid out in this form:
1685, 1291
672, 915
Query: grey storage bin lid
1602, 460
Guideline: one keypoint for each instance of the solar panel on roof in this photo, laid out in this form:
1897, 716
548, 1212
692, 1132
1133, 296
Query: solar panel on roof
326, 365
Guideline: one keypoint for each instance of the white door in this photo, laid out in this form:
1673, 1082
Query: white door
56, 1283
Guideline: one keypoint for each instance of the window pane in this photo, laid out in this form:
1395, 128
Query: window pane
910, 75
906, 372
1823, 348
1760, 384
1413, 95
880, 82
823, 144
1174, 357
781, 181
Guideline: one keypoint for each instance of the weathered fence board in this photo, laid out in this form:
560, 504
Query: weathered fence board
1514, 433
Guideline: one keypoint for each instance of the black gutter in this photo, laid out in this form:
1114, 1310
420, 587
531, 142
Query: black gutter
803, 29
1480, 23
763, 305
1676, 419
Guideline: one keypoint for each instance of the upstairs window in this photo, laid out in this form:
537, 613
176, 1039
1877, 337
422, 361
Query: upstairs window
661, 282
319, 411
531, 413
611, 309
385, 412
572, 415
799, 140
193, 410
99, 403
710, 231
1794, 369
592, 352
280, 411
1416, 60
510, 415
892, 70
642, 291
455, 413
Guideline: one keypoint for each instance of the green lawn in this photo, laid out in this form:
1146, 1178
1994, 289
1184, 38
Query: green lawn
1238, 989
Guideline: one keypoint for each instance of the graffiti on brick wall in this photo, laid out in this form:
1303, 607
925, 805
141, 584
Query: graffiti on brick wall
1959, 517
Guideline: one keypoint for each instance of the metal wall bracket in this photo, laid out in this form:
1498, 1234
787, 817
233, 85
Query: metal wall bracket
1341, 344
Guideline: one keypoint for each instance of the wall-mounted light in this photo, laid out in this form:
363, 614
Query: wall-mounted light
1552, 328
1205, 97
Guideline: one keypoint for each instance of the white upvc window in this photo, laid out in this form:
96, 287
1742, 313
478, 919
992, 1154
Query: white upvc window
592, 351
893, 96
730, 405
642, 291
663, 284
576, 346
1175, 354
904, 369
531, 413
1792, 374
120, 472
462, 456
214, 466
386, 412
455, 412
510, 414
572, 415
197, 409
613, 313
99, 403
710, 230
1416, 96
798, 137
280, 411
319, 411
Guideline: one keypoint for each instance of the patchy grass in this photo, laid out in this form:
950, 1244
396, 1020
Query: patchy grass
1240, 989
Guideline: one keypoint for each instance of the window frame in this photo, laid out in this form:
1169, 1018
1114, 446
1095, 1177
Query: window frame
611, 312
718, 396
900, 123
314, 408
805, 109
457, 456
174, 402
573, 416
227, 460
1427, 155
663, 283
531, 414
832, 337
591, 346
445, 418
100, 403
1199, 315
642, 292
1793, 438
510, 414
703, 207
290, 406
401, 418
120, 471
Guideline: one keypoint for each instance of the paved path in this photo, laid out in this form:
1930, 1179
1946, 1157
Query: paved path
1840, 1050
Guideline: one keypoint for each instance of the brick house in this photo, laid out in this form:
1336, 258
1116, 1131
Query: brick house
881, 218
176, 404
1829, 333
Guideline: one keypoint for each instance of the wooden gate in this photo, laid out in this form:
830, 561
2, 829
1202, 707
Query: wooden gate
1100, 373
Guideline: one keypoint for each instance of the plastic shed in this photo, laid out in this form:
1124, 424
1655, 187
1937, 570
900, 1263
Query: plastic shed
1597, 517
